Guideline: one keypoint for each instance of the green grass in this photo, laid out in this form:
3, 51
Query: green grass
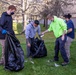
41, 66
75, 30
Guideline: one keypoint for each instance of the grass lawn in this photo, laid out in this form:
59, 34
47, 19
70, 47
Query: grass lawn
41, 66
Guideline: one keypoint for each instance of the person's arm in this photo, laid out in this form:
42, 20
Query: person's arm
45, 32
28, 43
69, 30
70, 26
27, 33
64, 28
2, 21
49, 29
63, 34
39, 30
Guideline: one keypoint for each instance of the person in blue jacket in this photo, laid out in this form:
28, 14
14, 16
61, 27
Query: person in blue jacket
70, 33
6, 26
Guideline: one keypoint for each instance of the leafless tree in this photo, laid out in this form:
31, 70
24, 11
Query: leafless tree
22, 7
38, 7
56, 7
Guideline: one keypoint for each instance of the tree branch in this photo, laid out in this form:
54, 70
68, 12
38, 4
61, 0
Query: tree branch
5, 2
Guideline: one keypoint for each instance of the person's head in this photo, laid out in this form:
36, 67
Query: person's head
11, 9
67, 17
36, 23
50, 17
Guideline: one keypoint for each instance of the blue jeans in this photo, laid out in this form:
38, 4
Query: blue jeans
60, 45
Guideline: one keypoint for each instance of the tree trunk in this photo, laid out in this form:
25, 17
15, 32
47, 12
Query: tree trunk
45, 23
24, 22
23, 19
23, 14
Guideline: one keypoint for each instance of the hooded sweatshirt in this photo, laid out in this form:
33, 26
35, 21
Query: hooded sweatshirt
58, 26
6, 23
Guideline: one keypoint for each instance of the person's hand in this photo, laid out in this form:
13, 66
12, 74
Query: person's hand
29, 45
42, 33
62, 37
4, 31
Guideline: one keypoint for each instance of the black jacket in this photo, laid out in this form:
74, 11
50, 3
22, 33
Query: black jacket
6, 23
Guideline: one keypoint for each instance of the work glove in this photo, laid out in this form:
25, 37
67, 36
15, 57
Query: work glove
4, 31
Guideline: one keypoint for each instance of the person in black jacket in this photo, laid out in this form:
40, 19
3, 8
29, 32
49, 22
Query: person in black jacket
6, 26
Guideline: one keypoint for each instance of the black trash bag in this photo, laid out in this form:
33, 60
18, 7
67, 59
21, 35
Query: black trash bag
14, 55
38, 48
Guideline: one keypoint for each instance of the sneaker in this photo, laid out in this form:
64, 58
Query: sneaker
65, 63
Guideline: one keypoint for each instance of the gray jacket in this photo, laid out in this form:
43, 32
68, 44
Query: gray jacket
31, 31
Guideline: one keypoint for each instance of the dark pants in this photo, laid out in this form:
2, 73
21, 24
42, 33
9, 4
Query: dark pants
60, 45
29, 48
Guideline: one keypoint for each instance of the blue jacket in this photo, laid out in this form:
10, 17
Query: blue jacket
6, 23
70, 25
